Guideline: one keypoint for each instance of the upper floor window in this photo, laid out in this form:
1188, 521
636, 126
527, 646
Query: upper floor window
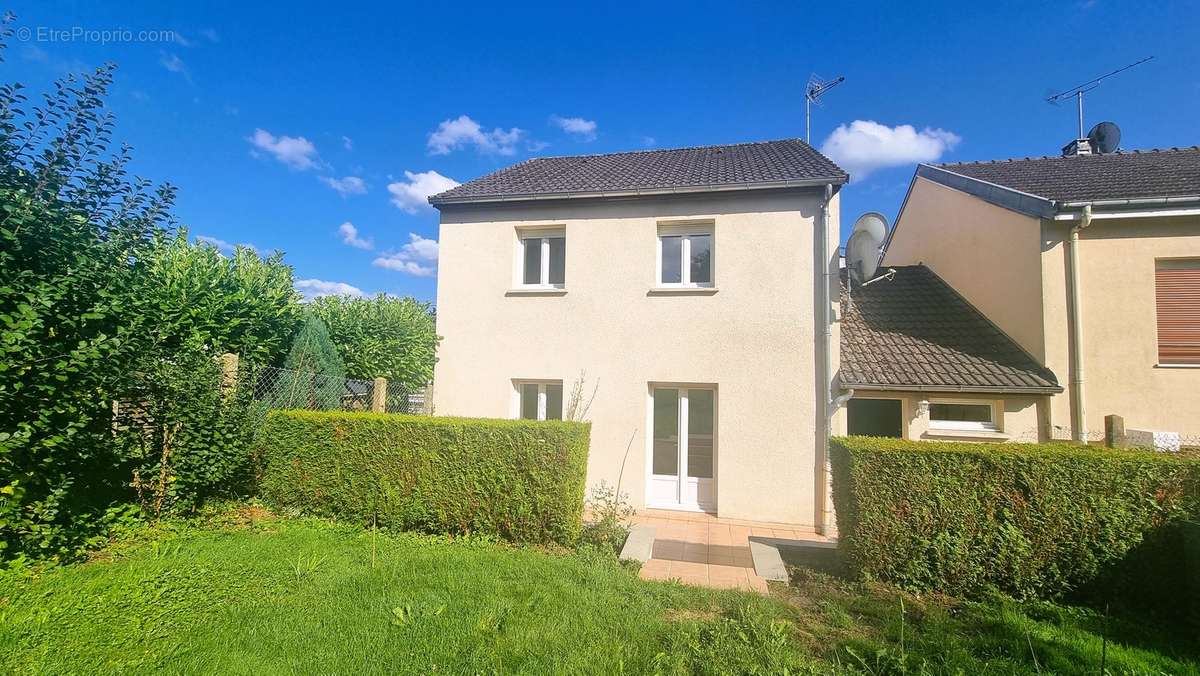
1177, 302
543, 257
685, 255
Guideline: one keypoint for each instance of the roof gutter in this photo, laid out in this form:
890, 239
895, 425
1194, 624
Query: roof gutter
437, 201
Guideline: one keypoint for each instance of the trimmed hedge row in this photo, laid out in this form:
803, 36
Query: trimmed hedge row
520, 480
1028, 520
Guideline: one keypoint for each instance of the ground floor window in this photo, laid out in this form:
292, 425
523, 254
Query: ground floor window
957, 415
540, 400
875, 418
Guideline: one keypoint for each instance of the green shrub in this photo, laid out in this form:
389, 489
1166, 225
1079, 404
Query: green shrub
1028, 520
519, 480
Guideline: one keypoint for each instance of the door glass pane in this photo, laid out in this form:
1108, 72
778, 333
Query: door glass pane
558, 260
529, 401
701, 259
672, 250
554, 394
700, 434
666, 432
533, 261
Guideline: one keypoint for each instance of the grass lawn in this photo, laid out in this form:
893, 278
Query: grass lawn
302, 596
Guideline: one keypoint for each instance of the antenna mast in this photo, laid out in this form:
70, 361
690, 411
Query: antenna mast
1088, 86
815, 88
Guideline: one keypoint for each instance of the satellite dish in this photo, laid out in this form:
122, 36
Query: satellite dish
1105, 137
862, 250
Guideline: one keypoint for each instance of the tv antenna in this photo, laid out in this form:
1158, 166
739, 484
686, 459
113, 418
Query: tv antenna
1088, 86
813, 91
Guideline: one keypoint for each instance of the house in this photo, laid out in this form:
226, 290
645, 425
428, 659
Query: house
689, 290
1090, 263
920, 362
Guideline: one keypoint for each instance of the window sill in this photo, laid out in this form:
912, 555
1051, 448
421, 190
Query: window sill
975, 435
536, 291
1177, 366
682, 291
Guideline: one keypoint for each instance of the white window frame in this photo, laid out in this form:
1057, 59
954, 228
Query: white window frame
686, 231
545, 235
518, 391
963, 425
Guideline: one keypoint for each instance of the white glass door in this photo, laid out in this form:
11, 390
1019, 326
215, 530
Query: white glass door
683, 449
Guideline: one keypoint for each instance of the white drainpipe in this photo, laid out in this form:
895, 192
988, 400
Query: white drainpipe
1078, 413
824, 279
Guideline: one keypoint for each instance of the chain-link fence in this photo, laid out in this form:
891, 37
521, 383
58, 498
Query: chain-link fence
288, 389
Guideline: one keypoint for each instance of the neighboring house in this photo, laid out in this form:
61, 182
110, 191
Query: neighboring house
1090, 263
691, 286
922, 363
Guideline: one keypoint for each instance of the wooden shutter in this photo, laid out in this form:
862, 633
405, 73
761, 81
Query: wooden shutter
1177, 295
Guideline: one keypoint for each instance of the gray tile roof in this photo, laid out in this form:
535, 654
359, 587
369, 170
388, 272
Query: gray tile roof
766, 164
1173, 172
917, 333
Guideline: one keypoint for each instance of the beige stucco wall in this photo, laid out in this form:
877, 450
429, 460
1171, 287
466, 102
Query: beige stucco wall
1022, 417
987, 253
753, 339
1120, 333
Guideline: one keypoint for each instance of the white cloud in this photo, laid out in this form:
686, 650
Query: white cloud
347, 143
349, 185
413, 195
463, 132
866, 146
576, 126
350, 236
223, 246
173, 63
296, 152
418, 257
315, 288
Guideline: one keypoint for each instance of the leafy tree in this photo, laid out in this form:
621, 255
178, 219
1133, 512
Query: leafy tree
384, 336
101, 302
74, 234
240, 303
314, 376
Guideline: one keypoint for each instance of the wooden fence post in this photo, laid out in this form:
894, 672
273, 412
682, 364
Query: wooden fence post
229, 372
1114, 431
379, 396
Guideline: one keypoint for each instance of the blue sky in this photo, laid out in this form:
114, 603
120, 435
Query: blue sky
280, 124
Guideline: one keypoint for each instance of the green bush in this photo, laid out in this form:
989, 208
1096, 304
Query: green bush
1027, 520
519, 480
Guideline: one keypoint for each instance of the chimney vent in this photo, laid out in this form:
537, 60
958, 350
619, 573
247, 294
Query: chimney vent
1080, 146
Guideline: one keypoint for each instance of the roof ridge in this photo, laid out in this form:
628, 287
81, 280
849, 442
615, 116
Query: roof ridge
648, 151
1122, 151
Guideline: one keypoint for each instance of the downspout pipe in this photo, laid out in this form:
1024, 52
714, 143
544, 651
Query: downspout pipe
1079, 411
824, 280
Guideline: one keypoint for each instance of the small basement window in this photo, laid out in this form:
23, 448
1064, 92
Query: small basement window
962, 416
540, 400
543, 259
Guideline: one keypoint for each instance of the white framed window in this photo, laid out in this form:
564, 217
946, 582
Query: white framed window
971, 416
685, 255
542, 258
539, 399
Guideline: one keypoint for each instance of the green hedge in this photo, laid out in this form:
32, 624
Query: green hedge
519, 480
1028, 520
